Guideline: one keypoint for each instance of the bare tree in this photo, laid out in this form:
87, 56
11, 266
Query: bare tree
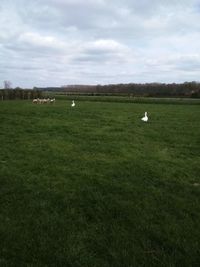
7, 85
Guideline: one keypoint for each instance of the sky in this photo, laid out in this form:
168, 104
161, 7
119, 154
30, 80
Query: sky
60, 42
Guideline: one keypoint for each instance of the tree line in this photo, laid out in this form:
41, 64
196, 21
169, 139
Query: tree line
186, 89
18, 93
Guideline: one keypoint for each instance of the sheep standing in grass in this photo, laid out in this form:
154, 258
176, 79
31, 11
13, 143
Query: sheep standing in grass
44, 100
52, 100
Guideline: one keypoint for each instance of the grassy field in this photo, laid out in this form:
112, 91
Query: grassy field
125, 99
93, 186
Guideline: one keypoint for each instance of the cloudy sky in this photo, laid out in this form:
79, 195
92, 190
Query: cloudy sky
59, 42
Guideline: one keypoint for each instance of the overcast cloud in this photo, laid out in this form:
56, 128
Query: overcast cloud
58, 42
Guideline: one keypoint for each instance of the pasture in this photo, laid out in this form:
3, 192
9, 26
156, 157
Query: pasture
93, 186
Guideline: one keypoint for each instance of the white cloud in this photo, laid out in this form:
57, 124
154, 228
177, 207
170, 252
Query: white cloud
38, 40
55, 42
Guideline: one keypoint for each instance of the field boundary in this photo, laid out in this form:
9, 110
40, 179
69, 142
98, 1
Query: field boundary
125, 99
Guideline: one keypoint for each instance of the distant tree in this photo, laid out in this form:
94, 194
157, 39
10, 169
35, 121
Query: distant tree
7, 85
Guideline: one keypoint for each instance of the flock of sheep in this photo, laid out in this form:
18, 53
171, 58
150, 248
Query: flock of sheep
44, 100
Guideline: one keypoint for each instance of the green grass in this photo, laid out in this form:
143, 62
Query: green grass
93, 186
126, 99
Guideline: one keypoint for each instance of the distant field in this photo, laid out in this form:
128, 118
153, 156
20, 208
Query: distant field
93, 186
127, 99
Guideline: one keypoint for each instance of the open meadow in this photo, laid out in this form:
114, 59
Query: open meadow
94, 186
